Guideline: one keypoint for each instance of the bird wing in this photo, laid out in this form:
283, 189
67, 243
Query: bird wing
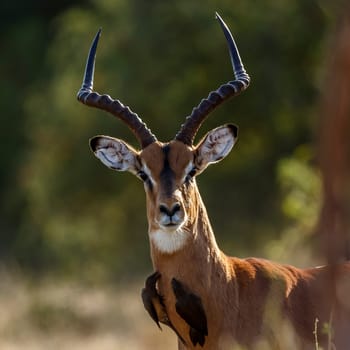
189, 306
147, 299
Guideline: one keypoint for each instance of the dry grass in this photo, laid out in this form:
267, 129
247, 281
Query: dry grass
71, 316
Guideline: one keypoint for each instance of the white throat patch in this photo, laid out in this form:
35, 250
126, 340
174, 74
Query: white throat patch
169, 241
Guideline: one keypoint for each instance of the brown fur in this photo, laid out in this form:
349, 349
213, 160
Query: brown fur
246, 301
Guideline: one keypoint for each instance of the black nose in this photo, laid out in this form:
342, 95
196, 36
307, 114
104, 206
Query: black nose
170, 211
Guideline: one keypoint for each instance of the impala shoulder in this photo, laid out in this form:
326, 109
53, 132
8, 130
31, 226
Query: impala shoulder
265, 274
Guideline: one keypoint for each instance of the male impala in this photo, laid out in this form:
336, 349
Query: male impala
210, 300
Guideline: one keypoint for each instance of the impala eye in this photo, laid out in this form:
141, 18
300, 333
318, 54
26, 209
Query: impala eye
191, 174
142, 175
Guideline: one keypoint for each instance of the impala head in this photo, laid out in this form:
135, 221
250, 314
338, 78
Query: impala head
168, 170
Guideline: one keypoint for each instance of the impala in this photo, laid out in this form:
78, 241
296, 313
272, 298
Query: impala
211, 300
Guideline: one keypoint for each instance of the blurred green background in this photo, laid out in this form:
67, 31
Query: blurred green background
64, 214
74, 248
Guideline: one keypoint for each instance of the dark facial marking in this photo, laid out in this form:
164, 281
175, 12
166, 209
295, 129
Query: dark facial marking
167, 175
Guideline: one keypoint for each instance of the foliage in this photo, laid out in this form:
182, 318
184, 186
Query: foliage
62, 211
300, 183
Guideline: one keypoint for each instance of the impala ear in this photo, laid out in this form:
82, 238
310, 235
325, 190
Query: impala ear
114, 153
215, 145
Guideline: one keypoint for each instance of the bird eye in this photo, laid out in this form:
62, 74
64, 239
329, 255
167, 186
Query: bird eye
142, 175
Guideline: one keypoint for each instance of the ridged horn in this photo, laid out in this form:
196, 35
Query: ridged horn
91, 98
193, 122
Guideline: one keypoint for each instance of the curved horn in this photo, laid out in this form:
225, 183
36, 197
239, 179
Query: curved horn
87, 96
193, 122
